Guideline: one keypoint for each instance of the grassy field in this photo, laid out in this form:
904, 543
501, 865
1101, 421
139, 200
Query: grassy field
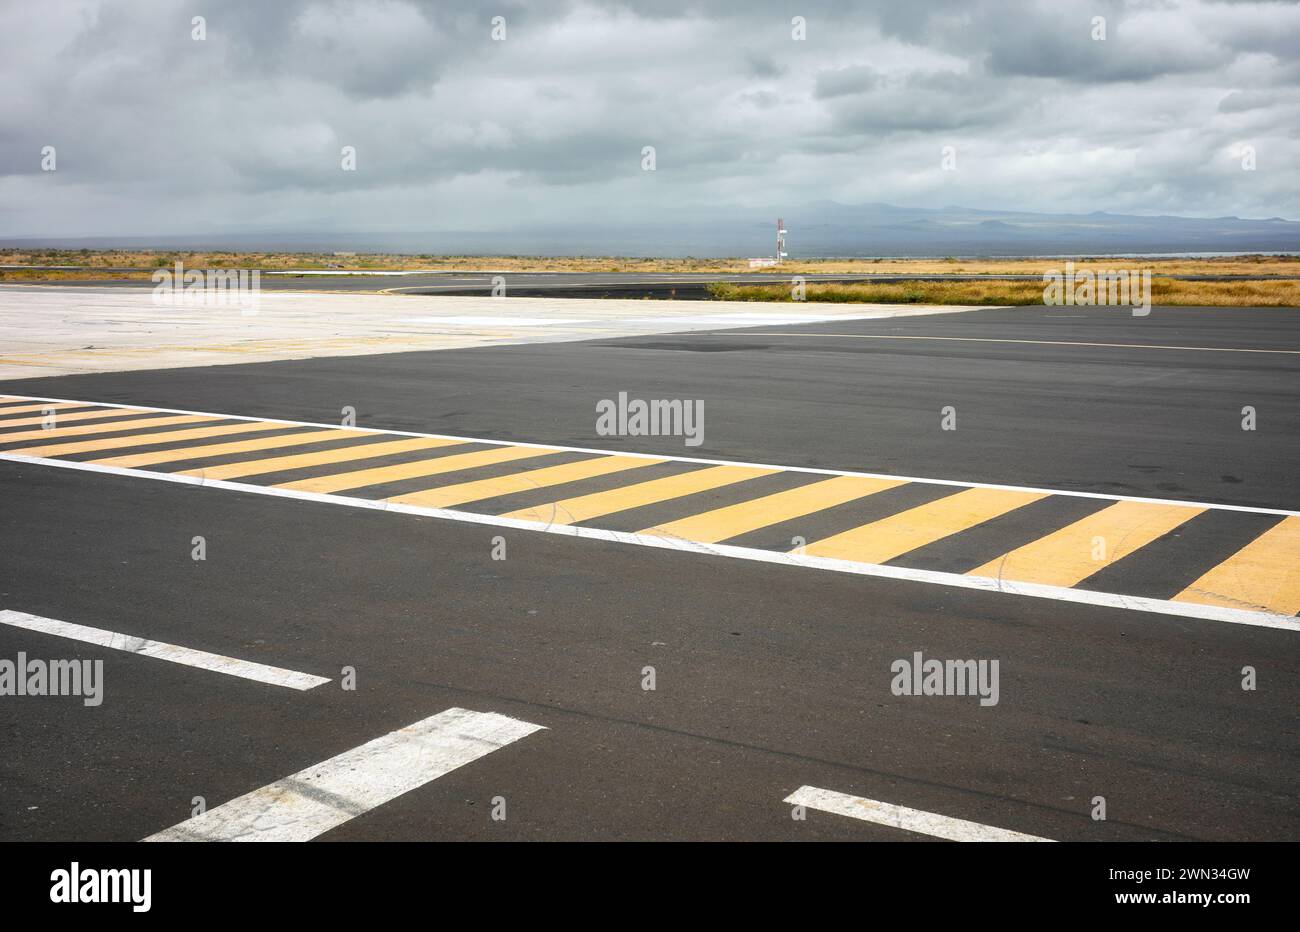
1281, 290
144, 262
1279, 293
18, 276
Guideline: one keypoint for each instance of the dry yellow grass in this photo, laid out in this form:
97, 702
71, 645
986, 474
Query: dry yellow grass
146, 261
1279, 293
18, 276
1240, 265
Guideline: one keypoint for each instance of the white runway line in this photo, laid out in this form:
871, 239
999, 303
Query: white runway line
159, 650
809, 470
745, 319
484, 321
882, 336
362, 272
313, 801
909, 820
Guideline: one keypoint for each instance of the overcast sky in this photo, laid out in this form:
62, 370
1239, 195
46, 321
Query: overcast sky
155, 132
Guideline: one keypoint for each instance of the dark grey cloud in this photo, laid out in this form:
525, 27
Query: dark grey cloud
1245, 101
158, 133
853, 79
764, 66
1096, 42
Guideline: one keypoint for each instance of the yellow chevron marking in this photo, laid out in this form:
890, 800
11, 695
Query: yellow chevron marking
45, 406
135, 460
60, 418
883, 540
734, 520
79, 430
443, 464
321, 458
584, 507
1262, 576
1066, 557
140, 440
463, 492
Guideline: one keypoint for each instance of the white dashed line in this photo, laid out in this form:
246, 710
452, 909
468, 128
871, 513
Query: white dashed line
326, 795
162, 651
901, 817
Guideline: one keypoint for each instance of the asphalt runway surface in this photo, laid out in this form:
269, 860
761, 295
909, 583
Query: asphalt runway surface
768, 675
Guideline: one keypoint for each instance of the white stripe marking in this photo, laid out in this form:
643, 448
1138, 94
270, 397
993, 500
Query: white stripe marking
747, 319
159, 650
1036, 590
892, 336
324, 796
472, 321
1250, 509
909, 820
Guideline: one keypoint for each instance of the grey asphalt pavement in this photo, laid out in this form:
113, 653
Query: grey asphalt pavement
768, 676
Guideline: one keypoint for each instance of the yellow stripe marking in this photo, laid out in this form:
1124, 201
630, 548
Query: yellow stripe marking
140, 440
734, 520
463, 492
1065, 557
1262, 576
381, 474
45, 405
74, 416
133, 460
883, 540
584, 507
324, 457
57, 433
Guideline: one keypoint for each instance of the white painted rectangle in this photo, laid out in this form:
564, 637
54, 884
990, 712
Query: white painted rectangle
159, 650
313, 801
909, 820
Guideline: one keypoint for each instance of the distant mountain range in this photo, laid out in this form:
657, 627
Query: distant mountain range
820, 229
882, 229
